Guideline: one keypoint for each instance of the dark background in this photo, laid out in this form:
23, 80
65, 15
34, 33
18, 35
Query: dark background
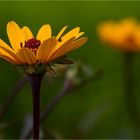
97, 110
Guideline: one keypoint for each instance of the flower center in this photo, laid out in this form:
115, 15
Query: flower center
32, 43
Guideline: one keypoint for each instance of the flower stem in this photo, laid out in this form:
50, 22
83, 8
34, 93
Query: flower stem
35, 82
129, 91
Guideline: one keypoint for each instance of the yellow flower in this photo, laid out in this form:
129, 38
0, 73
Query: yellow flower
26, 49
124, 34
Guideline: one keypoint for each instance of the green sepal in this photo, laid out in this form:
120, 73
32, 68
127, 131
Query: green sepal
66, 61
33, 69
61, 58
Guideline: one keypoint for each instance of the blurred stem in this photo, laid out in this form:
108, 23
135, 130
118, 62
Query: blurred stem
10, 98
129, 89
35, 82
56, 99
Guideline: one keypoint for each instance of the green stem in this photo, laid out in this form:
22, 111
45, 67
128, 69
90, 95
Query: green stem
129, 90
35, 82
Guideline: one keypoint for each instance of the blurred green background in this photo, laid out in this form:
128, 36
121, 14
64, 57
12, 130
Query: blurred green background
97, 110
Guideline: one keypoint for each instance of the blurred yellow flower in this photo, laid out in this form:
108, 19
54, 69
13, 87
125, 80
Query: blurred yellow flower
124, 34
26, 49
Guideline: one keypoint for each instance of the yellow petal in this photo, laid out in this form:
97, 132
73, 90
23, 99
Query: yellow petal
2, 43
27, 33
80, 34
45, 49
9, 59
44, 33
26, 56
76, 44
61, 50
61, 32
6, 52
15, 35
73, 33
69, 46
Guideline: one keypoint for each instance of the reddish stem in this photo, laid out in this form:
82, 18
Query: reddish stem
35, 82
